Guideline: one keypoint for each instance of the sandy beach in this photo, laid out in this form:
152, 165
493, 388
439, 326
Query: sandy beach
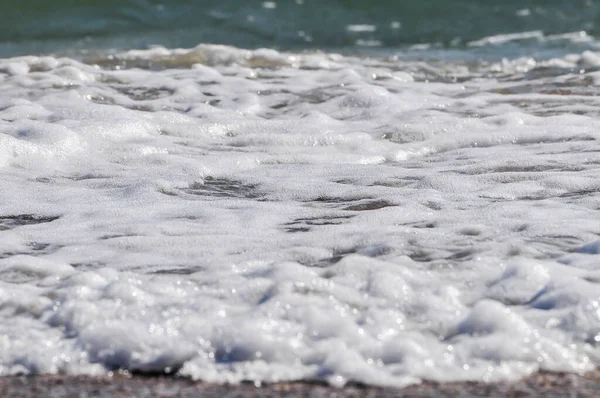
538, 385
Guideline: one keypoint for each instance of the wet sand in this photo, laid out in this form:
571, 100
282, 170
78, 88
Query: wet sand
538, 385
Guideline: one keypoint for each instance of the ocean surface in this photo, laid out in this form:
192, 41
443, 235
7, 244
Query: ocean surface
345, 191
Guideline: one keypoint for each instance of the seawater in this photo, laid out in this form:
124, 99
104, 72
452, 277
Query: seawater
33, 26
391, 198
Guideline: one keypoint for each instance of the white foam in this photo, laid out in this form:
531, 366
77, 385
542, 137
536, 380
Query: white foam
255, 215
360, 28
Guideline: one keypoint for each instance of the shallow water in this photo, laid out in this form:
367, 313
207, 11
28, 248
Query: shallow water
233, 214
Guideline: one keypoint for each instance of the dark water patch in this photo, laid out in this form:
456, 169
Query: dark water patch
280, 105
396, 182
322, 94
425, 255
116, 236
340, 253
376, 250
213, 102
571, 195
283, 101
433, 205
593, 277
45, 247
545, 110
305, 224
235, 353
421, 256
579, 193
13, 221
102, 100
224, 188
515, 173
521, 228
145, 93
332, 200
470, 231
334, 258
88, 266
421, 224
534, 168
496, 199
553, 247
35, 249
141, 108
89, 176
403, 137
297, 229
350, 204
176, 271
568, 243
20, 276
325, 220
189, 217
370, 205
462, 255
347, 181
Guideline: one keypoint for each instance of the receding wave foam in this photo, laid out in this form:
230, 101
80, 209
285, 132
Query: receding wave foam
230, 215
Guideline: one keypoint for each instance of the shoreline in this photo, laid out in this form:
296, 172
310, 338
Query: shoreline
539, 384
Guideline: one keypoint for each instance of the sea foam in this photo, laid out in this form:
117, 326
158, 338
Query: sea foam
236, 215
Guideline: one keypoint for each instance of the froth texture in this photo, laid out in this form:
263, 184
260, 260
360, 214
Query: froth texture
253, 215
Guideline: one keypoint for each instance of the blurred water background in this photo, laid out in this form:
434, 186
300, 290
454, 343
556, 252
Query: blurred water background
511, 27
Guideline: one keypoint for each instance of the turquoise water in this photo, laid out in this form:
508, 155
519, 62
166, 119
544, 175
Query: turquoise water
34, 26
